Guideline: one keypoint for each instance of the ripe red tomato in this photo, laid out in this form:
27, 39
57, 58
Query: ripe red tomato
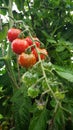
30, 42
37, 41
19, 45
26, 60
13, 33
43, 53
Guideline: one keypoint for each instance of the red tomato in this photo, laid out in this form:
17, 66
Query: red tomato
19, 45
26, 60
43, 53
13, 33
37, 41
30, 42
28, 39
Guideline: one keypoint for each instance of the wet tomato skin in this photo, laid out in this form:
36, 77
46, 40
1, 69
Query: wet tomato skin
30, 42
28, 39
26, 60
19, 45
13, 33
42, 51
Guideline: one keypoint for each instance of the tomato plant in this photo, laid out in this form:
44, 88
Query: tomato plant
36, 69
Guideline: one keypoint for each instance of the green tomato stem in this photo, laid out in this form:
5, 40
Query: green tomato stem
10, 72
7, 58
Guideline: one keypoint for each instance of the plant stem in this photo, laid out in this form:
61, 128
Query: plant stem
10, 72
7, 58
10, 13
19, 82
40, 61
44, 74
43, 71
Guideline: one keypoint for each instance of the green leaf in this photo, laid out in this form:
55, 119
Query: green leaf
21, 109
4, 80
64, 73
17, 16
60, 48
3, 32
51, 40
7, 2
39, 122
1, 116
20, 4
59, 120
1, 2
4, 2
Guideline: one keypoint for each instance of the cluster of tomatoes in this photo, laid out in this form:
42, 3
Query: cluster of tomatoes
21, 45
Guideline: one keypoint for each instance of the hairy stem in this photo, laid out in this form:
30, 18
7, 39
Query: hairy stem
7, 58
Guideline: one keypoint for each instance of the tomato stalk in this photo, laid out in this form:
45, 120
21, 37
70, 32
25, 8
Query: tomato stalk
43, 71
9, 68
44, 74
40, 62
42, 67
7, 58
7, 63
19, 82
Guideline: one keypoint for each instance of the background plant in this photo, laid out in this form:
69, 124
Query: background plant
21, 105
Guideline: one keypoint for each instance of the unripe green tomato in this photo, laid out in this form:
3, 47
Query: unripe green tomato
59, 95
33, 92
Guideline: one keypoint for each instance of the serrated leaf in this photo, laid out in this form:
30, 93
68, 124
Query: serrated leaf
21, 109
64, 73
60, 48
51, 40
59, 119
4, 80
20, 4
39, 122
